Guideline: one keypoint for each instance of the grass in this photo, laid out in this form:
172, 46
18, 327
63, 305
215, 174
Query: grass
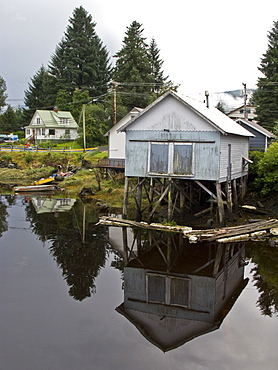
33, 166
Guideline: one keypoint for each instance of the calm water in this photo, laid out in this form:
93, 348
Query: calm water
64, 304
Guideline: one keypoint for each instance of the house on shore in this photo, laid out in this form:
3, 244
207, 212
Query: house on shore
186, 143
262, 137
247, 112
116, 143
51, 125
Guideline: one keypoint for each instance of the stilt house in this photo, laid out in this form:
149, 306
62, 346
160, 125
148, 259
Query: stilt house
187, 144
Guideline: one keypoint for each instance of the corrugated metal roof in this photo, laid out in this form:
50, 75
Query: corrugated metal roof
212, 115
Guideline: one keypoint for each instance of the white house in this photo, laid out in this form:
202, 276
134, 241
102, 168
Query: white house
48, 125
248, 112
116, 140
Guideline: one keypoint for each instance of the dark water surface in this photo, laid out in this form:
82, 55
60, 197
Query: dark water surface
61, 283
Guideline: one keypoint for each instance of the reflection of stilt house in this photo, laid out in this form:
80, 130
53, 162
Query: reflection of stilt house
185, 153
176, 292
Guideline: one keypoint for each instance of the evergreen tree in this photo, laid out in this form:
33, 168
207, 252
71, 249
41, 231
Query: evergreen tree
156, 66
39, 94
80, 59
3, 95
266, 96
133, 70
9, 120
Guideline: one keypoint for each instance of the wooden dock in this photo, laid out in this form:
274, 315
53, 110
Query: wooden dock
252, 231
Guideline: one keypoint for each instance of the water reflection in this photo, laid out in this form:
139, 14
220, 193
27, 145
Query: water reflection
80, 249
265, 277
66, 223
175, 291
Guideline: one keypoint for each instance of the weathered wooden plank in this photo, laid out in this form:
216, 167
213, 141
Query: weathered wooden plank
226, 234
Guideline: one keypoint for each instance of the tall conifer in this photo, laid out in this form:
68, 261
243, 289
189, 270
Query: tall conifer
81, 60
39, 94
133, 68
156, 65
266, 97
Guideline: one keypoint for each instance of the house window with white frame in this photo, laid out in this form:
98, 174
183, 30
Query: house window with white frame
38, 120
175, 159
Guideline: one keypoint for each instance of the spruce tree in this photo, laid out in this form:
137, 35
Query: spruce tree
39, 94
156, 67
3, 95
81, 60
133, 70
266, 96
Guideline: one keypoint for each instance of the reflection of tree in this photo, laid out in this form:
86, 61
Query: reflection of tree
79, 261
265, 277
3, 215
80, 264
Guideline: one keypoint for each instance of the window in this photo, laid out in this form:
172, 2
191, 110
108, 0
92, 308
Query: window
183, 159
171, 159
168, 290
43, 131
38, 120
51, 131
159, 158
28, 131
67, 131
64, 121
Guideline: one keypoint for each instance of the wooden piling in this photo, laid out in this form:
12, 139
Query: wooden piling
125, 203
220, 205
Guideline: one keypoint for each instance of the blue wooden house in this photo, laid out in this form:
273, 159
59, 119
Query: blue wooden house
262, 137
188, 144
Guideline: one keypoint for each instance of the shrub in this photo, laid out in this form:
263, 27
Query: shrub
267, 170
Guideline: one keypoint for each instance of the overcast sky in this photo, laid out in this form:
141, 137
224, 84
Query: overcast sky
206, 45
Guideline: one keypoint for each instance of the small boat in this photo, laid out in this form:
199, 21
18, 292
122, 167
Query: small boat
35, 188
44, 181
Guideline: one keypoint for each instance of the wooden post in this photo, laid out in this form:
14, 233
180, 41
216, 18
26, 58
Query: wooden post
229, 198
170, 212
235, 197
138, 216
220, 205
125, 203
182, 197
151, 192
243, 186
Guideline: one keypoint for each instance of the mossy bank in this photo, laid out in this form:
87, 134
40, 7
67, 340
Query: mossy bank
22, 168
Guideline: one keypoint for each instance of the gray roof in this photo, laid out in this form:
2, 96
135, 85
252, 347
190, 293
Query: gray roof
257, 127
212, 115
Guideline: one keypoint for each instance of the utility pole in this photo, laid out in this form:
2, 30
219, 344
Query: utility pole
84, 128
245, 101
207, 98
115, 84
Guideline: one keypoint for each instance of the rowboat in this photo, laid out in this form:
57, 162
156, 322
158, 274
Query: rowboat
35, 188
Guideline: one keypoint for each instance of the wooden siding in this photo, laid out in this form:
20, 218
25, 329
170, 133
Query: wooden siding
171, 115
201, 295
206, 151
259, 141
239, 149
